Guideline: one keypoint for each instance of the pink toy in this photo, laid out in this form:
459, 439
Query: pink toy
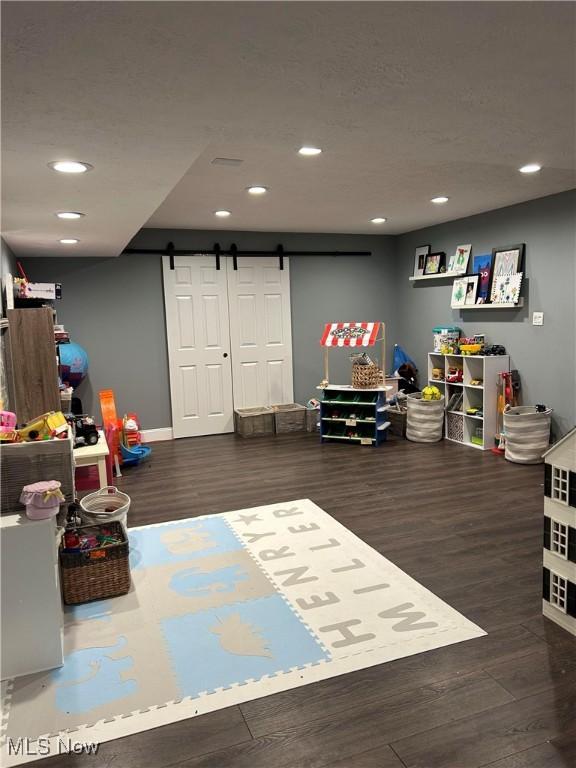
42, 499
7, 421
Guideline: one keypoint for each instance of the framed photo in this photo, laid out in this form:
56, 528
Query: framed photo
507, 261
459, 259
482, 266
507, 289
471, 289
420, 259
434, 263
459, 289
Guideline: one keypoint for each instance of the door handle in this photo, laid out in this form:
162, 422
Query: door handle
225, 354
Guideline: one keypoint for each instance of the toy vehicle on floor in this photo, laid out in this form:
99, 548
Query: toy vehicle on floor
84, 430
45, 427
455, 375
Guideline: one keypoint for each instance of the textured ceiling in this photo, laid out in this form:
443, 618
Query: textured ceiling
407, 100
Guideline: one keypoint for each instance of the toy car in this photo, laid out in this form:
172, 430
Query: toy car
476, 382
84, 430
455, 375
51, 424
470, 349
495, 349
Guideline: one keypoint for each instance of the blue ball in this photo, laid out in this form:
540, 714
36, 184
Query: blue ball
73, 363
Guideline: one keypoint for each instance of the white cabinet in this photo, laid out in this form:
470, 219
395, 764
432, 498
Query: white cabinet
32, 615
472, 403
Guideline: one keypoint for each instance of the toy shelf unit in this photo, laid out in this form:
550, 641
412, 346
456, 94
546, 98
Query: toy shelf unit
470, 386
353, 415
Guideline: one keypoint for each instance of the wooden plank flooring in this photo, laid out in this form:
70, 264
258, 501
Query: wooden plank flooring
467, 525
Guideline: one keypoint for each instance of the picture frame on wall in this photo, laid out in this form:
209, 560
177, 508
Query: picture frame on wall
507, 289
459, 260
508, 260
482, 266
459, 288
471, 289
434, 263
420, 259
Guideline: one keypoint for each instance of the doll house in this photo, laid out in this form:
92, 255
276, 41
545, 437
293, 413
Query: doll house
559, 566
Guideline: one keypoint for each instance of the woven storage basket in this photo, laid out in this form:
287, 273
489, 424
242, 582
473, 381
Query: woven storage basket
252, 422
425, 419
527, 434
397, 419
96, 573
104, 506
289, 418
312, 419
367, 376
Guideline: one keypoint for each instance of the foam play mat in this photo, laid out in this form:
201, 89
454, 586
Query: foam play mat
223, 609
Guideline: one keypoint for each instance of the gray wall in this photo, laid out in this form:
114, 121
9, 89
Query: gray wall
545, 356
114, 308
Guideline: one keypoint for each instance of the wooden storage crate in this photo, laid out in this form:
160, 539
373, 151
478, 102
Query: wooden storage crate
252, 422
289, 418
25, 463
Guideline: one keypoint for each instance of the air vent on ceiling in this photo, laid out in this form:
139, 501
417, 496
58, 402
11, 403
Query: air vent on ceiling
226, 161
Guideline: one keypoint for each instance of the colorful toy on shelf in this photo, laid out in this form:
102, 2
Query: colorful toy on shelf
470, 349
45, 427
437, 374
455, 375
7, 421
476, 382
431, 393
84, 430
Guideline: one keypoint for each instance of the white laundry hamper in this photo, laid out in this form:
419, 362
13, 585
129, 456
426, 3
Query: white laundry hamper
104, 506
527, 433
424, 419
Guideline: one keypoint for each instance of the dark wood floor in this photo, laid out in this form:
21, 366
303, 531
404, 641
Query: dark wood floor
465, 524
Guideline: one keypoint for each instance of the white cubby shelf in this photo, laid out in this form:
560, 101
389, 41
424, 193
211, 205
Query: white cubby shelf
460, 427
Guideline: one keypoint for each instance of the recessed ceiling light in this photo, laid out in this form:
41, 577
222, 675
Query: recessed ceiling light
69, 215
69, 241
309, 151
256, 189
70, 166
378, 220
439, 200
222, 214
530, 168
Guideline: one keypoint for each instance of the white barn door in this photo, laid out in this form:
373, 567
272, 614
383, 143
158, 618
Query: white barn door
197, 325
260, 331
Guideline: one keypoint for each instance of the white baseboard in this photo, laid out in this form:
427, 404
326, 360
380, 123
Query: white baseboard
156, 435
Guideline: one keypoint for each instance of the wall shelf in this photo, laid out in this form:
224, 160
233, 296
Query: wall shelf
493, 306
439, 276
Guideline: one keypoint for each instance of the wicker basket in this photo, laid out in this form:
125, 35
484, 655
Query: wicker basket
397, 419
96, 573
104, 506
252, 422
312, 419
289, 418
367, 376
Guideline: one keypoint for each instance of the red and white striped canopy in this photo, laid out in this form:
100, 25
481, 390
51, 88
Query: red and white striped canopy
350, 334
